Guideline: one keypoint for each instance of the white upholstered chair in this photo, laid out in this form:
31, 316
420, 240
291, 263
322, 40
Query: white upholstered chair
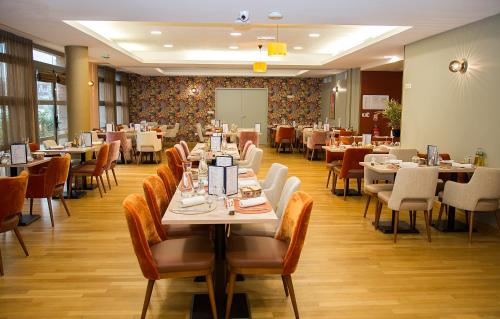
199, 133
148, 142
480, 194
170, 133
413, 191
404, 154
254, 160
372, 187
273, 184
49, 143
244, 161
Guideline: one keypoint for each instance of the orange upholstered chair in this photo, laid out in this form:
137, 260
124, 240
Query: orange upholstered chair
332, 159
246, 136
350, 168
93, 170
284, 135
13, 190
316, 142
173, 258
34, 147
174, 162
185, 147
113, 156
255, 255
50, 183
168, 178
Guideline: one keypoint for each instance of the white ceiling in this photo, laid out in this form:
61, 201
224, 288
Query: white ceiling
194, 25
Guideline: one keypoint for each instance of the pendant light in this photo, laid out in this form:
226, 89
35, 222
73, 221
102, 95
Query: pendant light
260, 66
276, 48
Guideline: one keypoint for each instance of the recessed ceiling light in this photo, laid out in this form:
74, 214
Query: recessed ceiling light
156, 32
314, 35
168, 45
298, 47
234, 47
266, 37
235, 34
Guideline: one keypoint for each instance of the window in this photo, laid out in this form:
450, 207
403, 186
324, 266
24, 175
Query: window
48, 58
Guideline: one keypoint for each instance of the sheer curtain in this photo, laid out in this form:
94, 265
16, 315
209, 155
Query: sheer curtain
124, 97
17, 90
109, 88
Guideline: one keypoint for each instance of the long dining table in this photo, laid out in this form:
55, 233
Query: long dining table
231, 149
449, 225
219, 218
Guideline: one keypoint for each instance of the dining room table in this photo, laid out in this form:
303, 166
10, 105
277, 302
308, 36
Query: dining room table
448, 225
200, 148
214, 212
25, 219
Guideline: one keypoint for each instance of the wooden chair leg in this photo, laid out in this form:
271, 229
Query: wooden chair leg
63, 201
367, 204
114, 176
497, 215
396, 222
329, 175
70, 186
284, 285
358, 181
378, 212
230, 292
1, 264
21, 241
440, 214
471, 226
427, 225
140, 158
99, 187
107, 177
211, 295
334, 183
292, 295
149, 290
102, 182
49, 202
312, 155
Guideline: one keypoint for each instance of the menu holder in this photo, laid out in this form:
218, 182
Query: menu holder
109, 127
217, 123
222, 180
432, 155
137, 127
366, 139
224, 160
18, 153
86, 138
326, 127
215, 143
212, 122
257, 127
315, 127
294, 124
225, 128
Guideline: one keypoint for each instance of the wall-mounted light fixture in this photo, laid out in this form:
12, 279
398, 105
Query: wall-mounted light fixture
194, 90
336, 89
458, 66
90, 83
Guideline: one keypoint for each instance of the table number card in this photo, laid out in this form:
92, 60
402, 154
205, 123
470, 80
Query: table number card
137, 127
225, 128
224, 161
257, 127
19, 153
326, 127
215, 143
432, 155
109, 127
86, 138
366, 139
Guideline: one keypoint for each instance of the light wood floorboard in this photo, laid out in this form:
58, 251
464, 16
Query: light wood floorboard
85, 267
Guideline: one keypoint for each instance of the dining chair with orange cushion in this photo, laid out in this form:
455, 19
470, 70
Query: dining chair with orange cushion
185, 147
13, 190
34, 147
245, 136
284, 135
255, 255
175, 163
92, 170
113, 156
346, 140
332, 159
168, 179
50, 183
315, 142
172, 258
126, 146
158, 199
350, 168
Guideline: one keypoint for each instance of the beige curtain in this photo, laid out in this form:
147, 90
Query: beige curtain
17, 90
124, 97
94, 96
109, 88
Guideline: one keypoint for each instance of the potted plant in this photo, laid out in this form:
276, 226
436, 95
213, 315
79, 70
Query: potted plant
392, 113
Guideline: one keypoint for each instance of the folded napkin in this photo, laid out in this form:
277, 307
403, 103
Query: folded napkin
251, 182
242, 170
258, 205
455, 164
408, 165
248, 174
252, 202
395, 161
57, 147
192, 201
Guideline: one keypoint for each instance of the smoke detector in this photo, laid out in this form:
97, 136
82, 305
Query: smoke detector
275, 15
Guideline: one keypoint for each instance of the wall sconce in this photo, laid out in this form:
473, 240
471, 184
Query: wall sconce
194, 90
458, 66
90, 83
336, 89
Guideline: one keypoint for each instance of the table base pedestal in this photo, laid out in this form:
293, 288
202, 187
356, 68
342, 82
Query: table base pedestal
200, 308
403, 228
75, 194
350, 192
25, 220
458, 227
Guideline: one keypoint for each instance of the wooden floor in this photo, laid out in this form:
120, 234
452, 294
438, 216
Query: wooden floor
86, 268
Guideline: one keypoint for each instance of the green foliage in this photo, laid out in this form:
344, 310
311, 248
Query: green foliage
392, 113
46, 123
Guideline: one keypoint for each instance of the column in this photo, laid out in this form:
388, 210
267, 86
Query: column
78, 91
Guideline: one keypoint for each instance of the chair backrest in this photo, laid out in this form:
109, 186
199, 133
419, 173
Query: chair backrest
101, 160
49, 143
57, 172
274, 182
142, 232
185, 147
168, 179
245, 149
371, 176
317, 138
306, 134
199, 132
157, 199
333, 156
118, 136
484, 184
255, 159
284, 133
174, 162
352, 157
13, 190
113, 154
414, 184
146, 138
292, 185
248, 136
344, 132
180, 151
250, 150
176, 127
34, 147
95, 137
293, 228
346, 140
404, 154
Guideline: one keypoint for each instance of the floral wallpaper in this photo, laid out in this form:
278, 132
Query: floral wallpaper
187, 100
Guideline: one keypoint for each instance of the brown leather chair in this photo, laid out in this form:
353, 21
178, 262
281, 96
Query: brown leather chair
13, 190
284, 135
332, 159
158, 200
95, 169
350, 168
173, 258
50, 183
174, 162
255, 255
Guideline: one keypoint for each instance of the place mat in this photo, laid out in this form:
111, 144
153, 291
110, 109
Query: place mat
258, 209
247, 175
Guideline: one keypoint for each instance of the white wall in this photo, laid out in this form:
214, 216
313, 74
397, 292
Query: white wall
458, 112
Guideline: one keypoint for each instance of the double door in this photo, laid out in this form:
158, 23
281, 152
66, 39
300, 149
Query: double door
243, 107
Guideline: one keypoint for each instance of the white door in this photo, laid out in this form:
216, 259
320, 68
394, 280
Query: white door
243, 107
